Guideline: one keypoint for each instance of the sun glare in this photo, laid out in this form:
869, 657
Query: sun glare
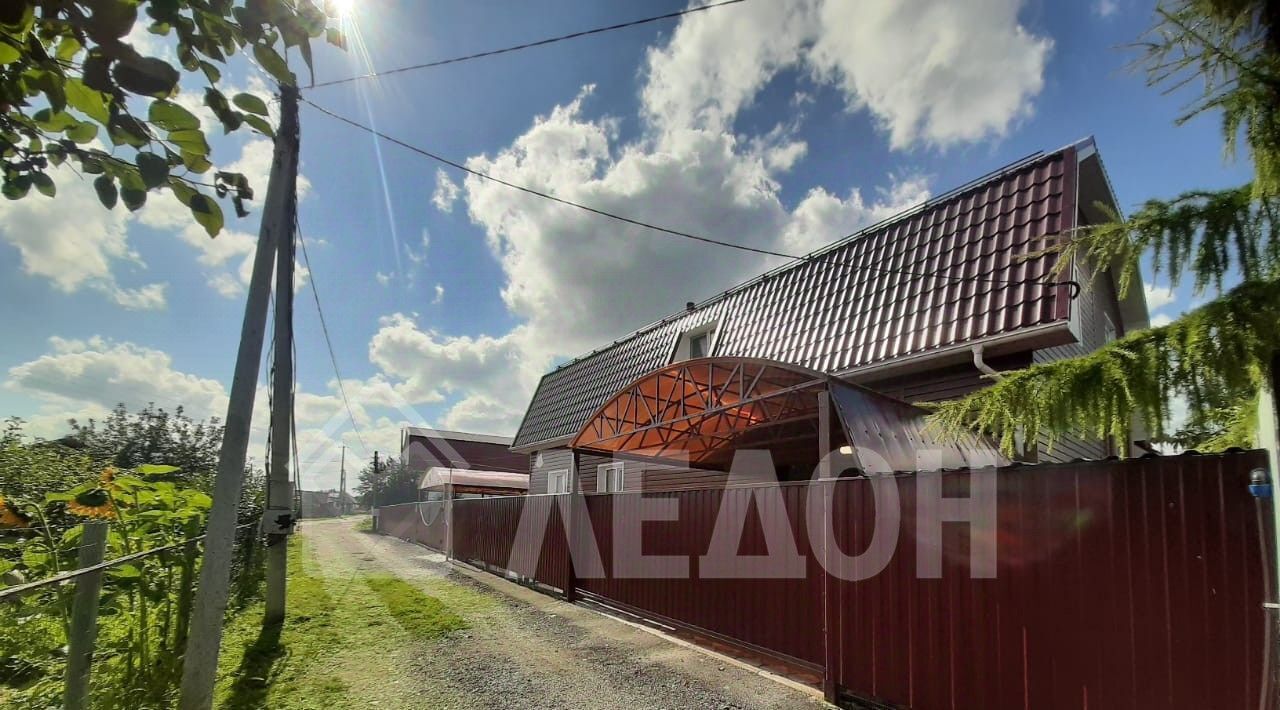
342, 8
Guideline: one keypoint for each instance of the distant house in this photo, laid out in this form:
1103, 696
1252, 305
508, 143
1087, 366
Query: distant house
925, 306
325, 504
423, 448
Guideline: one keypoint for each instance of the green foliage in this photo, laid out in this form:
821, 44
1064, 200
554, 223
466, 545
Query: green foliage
1216, 357
1232, 49
116, 471
1212, 235
69, 77
1136, 375
151, 436
394, 483
144, 604
1218, 428
28, 472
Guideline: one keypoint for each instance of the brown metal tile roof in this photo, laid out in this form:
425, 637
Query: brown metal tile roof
940, 275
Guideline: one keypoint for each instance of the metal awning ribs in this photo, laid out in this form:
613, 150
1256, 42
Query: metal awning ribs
700, 412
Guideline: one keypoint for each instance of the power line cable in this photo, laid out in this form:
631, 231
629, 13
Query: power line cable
528, 45
816, 257
324, 327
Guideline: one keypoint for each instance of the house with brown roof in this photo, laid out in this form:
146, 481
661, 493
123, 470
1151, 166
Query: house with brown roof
925, 306
424, 448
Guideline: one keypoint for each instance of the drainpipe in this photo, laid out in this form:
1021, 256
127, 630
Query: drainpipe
984, 368
982, 365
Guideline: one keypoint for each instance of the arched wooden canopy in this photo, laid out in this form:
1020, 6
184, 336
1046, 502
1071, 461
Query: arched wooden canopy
700, 412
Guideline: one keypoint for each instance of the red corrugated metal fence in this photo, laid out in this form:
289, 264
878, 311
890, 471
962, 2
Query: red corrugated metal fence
487, 530
423, 523
783, 616
1121, 584
1134, 584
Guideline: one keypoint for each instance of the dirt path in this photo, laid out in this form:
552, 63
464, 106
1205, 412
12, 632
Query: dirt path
528, 650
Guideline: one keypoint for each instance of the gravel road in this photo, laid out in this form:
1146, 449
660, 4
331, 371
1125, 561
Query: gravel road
527, 650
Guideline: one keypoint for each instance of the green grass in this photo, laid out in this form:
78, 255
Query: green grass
338, 637
365, 525
271, 663
422, 616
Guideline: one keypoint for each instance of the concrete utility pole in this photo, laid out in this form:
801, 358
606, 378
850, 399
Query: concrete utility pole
279, 519
374, 487
342, 483
200, 664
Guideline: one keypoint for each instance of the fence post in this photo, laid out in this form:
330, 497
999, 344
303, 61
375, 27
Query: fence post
830, 603
566, 523
84, 617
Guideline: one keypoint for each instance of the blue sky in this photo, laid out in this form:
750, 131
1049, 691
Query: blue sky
774, 124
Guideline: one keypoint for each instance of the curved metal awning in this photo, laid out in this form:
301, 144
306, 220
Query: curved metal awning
700, 412
437, 477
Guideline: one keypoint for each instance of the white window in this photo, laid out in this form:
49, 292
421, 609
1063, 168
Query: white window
610, 477
558, 482
699, 345
1108, 329
695, 343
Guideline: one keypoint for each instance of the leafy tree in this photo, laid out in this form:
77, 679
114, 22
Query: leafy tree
394, 483
70, 79
151, 436
1225, 241
28, 472
122, 440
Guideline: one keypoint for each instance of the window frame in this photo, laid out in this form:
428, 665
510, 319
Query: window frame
561, 474
604, 477
684, 344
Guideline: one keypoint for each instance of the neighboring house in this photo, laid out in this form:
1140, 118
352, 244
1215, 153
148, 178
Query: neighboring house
422, 448
324, 504
923, 307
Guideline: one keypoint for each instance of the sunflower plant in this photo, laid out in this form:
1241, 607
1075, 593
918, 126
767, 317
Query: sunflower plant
145, 603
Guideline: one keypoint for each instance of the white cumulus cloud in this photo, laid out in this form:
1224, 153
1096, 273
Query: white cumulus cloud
934, 70
1158, 296
105, 373
75, 242
446, 192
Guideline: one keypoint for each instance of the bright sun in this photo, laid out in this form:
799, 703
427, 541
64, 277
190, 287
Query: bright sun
342, 8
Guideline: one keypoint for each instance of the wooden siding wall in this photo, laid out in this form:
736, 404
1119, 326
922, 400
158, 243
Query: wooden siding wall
645, 476
1097, 298
638, 476
552, 460
945, 383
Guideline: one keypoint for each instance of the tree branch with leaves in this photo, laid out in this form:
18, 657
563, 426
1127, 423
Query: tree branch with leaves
71, 84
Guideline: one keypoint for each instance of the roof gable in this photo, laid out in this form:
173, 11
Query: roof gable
943, 274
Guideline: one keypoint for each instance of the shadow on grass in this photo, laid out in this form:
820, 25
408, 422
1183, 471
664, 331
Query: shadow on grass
258, 669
